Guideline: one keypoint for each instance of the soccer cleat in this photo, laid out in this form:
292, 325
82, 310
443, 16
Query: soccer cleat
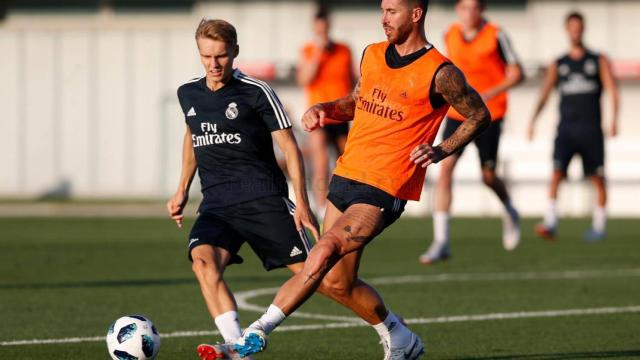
251, 342
545, 232
217, 351
510, 230
593, 236
437, 252
410, 352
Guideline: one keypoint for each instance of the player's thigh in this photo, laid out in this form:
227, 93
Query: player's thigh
213, 258
358, 225
213, 239
487, 144
563, 151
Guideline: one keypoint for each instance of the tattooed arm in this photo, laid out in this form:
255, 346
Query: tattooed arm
336, 111
452, 85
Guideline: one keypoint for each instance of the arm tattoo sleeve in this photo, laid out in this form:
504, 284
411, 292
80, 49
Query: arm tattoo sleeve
342, 109
452, 85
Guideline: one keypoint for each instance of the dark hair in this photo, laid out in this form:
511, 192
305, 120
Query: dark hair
422, 4
322, 13
574, 15
482, 3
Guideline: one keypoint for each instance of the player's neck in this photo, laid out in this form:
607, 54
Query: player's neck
414, 42
471, 30
214, 85
577, 51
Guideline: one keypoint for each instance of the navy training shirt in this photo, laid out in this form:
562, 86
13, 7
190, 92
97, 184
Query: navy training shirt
231, 135
580, 90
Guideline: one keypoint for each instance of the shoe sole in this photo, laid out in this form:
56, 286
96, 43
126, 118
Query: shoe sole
208, 352
434, 261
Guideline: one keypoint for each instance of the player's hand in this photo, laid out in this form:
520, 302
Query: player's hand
313, 118
304, 218
176, 205
425, 155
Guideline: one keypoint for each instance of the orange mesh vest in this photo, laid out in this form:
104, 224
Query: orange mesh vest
480, 61
333, 79
393, 115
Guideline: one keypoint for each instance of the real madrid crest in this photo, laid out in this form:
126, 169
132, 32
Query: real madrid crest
590, 67
232, 111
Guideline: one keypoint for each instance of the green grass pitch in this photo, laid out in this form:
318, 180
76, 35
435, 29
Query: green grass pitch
65, 278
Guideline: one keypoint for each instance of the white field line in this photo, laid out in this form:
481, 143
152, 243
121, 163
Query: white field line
436, 320
243, 297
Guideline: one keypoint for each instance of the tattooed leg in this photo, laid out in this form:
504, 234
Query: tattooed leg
351, 232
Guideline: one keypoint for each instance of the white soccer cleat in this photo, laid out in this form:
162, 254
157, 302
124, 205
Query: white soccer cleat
437, 252
251, 342
510, 230
410, 352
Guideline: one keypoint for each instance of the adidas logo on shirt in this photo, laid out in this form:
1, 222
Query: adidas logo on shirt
295, 252
192, 112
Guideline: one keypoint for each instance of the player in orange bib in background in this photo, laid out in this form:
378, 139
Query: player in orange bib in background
484, 54
326, 73
404, 92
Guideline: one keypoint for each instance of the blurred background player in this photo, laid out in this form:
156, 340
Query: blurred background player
483, 52
325, 71
405, 89
580, 77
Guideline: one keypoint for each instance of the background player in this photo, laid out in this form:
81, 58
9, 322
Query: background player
326, 73
580, 77
403, 94
483, 52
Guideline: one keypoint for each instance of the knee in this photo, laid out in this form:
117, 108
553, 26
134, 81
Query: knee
488, 177
205, 269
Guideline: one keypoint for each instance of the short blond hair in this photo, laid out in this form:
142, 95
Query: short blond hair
217, 30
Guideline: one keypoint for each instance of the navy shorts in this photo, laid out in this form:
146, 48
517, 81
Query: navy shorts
266, 224
334, 132
487, 143
345, 192
589, 145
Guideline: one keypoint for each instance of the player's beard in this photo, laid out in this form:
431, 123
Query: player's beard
399, 35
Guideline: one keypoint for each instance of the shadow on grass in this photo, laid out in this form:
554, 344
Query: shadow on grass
561, 356
139, 282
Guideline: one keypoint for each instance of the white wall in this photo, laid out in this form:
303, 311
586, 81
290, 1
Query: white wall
87, 101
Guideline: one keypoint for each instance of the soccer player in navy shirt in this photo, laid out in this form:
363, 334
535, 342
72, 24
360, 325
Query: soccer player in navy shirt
580, 77
231, 120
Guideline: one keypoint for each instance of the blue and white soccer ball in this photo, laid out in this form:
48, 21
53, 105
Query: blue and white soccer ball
133, 337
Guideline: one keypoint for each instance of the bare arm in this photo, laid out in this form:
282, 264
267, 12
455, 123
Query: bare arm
550, 79
610, 85
295, 167
307, 69
340, 110
452, 85
178, 201
513, 76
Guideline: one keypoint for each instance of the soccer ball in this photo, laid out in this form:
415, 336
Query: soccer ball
133, 337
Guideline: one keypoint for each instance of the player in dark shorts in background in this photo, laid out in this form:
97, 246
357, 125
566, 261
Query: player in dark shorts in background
231, 120
580, 77
482, 50
325, 71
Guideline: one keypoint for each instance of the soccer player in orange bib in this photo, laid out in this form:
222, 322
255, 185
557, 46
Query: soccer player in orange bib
484, 54
325, 70
404, 92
